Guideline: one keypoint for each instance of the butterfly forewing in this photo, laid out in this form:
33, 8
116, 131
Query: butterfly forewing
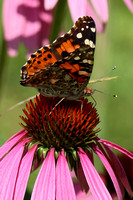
64, 67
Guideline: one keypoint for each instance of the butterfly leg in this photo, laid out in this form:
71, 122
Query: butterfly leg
95, 103
56, 105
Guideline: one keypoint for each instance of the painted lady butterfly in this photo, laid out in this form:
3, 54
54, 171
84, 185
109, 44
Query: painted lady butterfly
63, 69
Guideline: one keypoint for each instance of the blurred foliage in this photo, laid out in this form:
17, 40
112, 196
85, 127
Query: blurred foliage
114, 48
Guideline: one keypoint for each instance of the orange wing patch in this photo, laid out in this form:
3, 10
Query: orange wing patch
42, 59
72, 68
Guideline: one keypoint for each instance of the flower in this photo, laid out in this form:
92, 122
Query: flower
60, 137
27, 22
127, 163
98, 10
129, 4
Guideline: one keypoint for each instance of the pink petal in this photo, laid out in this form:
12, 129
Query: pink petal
44, 187
37, 30
90, 156
11, 51
78, 9
82, 195
110, 171
101, 8
22, 21
23, 132
99, 25
117, 147
81, 177
11, 142
23, 174
50, 4
119, 169
129, 4
64, 185
10, 15
8, 169
12, 28
97, 187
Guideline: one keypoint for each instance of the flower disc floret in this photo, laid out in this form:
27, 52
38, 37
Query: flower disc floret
68, 125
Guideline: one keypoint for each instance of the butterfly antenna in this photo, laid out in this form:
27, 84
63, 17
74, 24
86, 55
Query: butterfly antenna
107, 73
113, 95
104, 77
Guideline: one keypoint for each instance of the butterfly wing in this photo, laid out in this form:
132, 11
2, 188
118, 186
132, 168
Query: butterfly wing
68, 59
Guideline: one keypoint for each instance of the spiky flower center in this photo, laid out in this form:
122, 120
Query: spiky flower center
67, 125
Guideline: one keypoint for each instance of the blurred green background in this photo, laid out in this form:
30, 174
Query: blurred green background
114, 48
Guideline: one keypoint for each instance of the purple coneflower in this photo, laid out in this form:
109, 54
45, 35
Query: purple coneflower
59, 138
27, 22
97, 9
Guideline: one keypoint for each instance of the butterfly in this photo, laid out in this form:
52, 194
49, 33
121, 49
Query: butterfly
63, 68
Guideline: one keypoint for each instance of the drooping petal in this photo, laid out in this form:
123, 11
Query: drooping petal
22, 21
90, 155
79, 9
23, 132
44, 187
81, 177
129, 4
11, 142
97, 187
110, 171
8, 171
81, 194
119, 170
46, 18
12, 31
99, 25
49, 5
37, 27
101, 8
23, 174
64, 185
117, 147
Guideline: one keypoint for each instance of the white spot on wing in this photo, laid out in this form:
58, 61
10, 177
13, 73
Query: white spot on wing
77, 58
90, 52
90, 62
83, 73
87, 41
85, 61
79, 35
92, 44
93, 30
